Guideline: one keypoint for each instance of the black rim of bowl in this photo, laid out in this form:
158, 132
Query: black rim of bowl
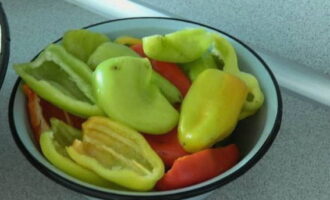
180, 195
5, 42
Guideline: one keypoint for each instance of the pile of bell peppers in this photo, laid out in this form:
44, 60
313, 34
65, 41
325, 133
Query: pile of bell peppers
139, 114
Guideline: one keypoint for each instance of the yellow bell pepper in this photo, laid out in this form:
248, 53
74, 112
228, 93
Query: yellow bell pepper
128, 40
118, 154
211, 109
53, 143
255, 97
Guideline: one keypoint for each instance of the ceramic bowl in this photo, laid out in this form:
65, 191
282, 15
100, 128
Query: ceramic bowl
253, 135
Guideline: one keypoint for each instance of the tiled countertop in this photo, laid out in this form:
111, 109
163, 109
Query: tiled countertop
297, 164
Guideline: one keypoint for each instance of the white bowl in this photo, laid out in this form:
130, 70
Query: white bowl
253, 135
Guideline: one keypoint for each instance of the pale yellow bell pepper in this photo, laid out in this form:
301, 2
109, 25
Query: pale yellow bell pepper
211, 109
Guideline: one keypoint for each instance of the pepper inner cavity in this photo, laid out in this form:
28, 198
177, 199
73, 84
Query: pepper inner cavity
114, 151
57, 77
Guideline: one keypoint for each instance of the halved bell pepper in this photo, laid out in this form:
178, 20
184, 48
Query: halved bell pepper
227, 53
177, 47
210, 110
61, 79
53, 143
81, 43
41, 111
125, 90
37, 120
118, 154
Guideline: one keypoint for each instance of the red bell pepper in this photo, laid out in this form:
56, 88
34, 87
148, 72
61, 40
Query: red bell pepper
170, 71
40, 112
50, 111
37, 121
174, 74
197, 167
167, 146
138, 48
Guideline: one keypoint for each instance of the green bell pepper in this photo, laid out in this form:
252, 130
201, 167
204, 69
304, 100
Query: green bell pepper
210, 110
226, 52
194, 68
125, 90
170, 92
178, 47
61, 79
109, 50
82, 43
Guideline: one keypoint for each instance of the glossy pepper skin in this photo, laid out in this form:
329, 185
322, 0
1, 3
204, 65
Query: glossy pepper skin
125, 90
118, 154
111, 50
198, 167
60, 78
210, 111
